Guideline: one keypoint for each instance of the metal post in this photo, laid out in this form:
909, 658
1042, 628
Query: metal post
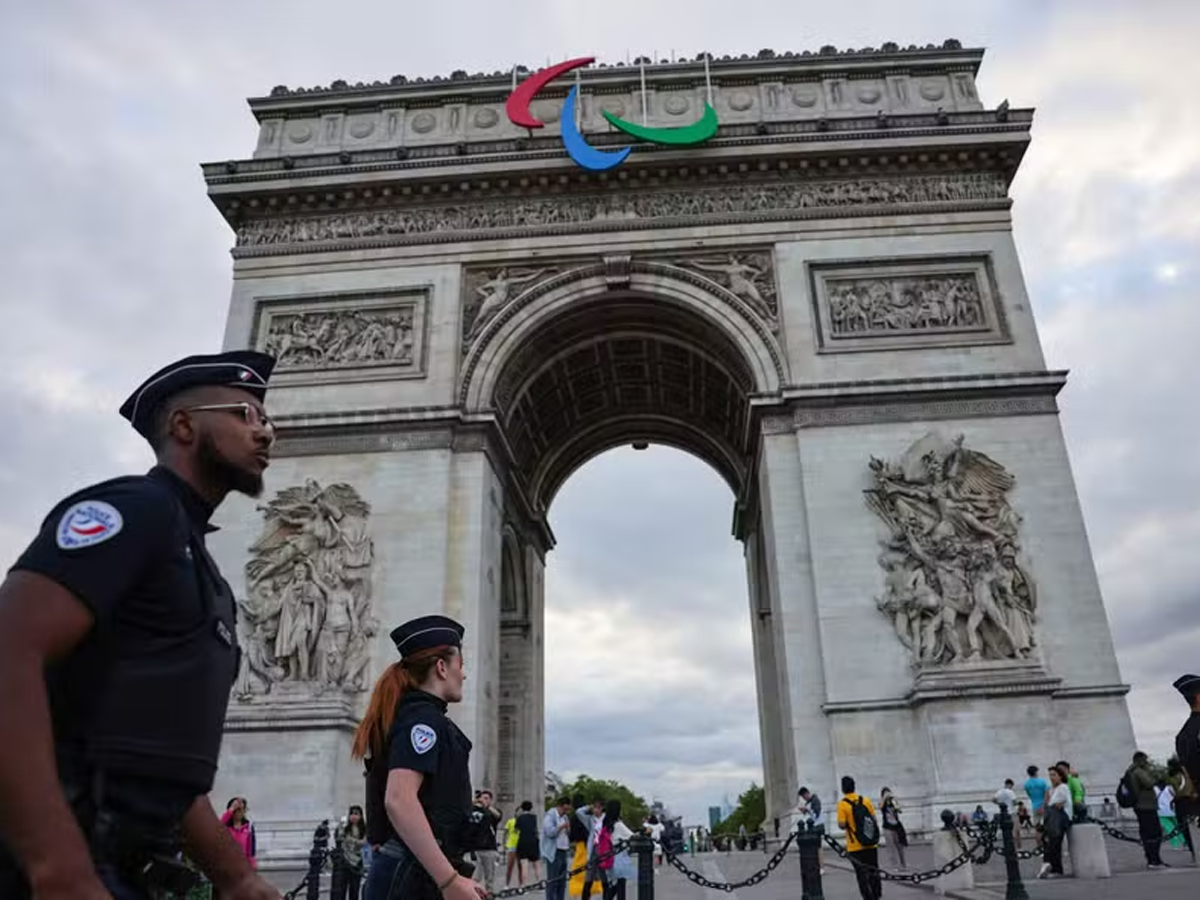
316, 860
1012, 866
809, 842
643, 848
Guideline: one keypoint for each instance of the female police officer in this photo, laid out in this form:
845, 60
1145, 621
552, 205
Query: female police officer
418, 785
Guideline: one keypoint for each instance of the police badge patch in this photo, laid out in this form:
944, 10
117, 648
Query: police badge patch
423, 738
88, 523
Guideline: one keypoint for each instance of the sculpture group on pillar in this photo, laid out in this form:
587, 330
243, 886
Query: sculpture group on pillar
954, 587
307, 617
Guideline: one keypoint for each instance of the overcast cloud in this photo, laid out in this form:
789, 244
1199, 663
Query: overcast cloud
114, 262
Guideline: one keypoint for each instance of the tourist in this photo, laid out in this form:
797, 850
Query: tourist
853, 811
1166, 812
579, 834
1140, 779
810, 811
1024, 821
654, 829
480, 837
617, 867
897, 837
555, 842
511, 837
1078, 800
1006, 799
528, 844
1108, 810
1036, 789
348, 841
241, 829
593, 818
1055, 822
979, 817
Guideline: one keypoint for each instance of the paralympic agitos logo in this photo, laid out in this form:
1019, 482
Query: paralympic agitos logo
579, 149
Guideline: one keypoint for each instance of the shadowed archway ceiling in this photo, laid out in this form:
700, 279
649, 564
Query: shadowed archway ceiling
619, 370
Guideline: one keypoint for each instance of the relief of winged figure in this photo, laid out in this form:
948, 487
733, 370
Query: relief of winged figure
954, 587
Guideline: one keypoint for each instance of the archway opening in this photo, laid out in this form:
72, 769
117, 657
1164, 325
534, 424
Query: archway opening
649, 675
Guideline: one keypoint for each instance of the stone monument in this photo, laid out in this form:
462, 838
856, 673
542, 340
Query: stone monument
822, 299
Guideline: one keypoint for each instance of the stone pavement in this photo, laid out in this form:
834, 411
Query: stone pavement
1131, 881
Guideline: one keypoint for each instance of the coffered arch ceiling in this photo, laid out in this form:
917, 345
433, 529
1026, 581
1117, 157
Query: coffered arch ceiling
631, 369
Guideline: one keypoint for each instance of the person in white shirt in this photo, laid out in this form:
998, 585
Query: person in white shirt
618, 868
555, 844
655, 829
1006, 798
593, 818
1055, 822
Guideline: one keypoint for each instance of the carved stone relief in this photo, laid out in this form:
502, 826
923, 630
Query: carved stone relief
953, 586
749, 276
344, 338
888, 305
488, 291
306, 619
764, 200
884, 305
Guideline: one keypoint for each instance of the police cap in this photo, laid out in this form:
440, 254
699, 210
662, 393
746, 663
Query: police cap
1187, 684
425, 633
245, 369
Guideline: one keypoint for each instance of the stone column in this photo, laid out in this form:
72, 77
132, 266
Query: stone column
788, 582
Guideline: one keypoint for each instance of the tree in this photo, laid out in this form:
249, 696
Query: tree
634, 808
751, 811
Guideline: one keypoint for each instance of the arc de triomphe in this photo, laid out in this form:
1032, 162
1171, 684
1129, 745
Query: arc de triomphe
823, 301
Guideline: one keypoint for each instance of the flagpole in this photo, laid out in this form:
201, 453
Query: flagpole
514, 87
578, 102
707, 77
645, 114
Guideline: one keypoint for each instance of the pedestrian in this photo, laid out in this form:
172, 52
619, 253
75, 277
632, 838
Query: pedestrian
856, 817
654, 830
1055, 822
1166, 812
1075, 783
578, 833
113, 621
528, 844
592, 819
810, 811
241, 829
1006, 799
511, 837
1140, 779
617, 865
1187, 749
897, 837
349, 839
418, 782
1036, 789
555, 842
481, 837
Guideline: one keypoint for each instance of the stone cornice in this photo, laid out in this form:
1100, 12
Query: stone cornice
788, 65
786, 137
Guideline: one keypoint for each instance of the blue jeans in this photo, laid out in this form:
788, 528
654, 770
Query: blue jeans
557, 869
396, 875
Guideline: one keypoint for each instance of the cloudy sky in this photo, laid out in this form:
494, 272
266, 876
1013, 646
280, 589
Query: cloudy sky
113, 260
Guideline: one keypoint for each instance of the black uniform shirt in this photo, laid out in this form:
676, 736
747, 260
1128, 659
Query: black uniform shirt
423, 739
122, 549
1187, 747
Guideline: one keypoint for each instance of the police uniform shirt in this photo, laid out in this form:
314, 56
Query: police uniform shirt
423, 739
1187, 748
124, 549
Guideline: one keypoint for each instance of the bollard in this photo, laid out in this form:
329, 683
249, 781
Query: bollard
808, 839
1089, 856
316, 860
1012, 866
642, 847
945, 848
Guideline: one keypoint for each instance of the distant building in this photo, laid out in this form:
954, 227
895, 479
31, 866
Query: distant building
714, 816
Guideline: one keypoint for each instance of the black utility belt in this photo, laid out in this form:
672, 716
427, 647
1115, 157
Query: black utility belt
397, 850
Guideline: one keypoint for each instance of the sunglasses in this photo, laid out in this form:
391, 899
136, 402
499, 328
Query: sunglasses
247, 412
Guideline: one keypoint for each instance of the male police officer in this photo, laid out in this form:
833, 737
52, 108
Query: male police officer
118, 652
1187, 748
419, 787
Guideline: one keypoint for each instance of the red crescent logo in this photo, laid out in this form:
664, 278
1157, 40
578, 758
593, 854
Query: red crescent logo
87, 532
517, 106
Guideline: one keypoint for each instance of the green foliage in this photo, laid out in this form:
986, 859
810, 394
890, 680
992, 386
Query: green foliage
634, 809
751, 811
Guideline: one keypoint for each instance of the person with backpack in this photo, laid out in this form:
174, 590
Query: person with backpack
616, 868
856, 817
1136, 791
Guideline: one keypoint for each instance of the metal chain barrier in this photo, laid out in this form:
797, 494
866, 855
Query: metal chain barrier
1119, 835
915, 877
545, 882
729, 887
314, 870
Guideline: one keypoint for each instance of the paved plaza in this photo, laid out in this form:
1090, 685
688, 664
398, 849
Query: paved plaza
1130, 881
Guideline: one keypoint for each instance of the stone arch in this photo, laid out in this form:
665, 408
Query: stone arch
666, 357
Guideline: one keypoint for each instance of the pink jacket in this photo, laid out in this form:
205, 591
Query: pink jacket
243, 834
